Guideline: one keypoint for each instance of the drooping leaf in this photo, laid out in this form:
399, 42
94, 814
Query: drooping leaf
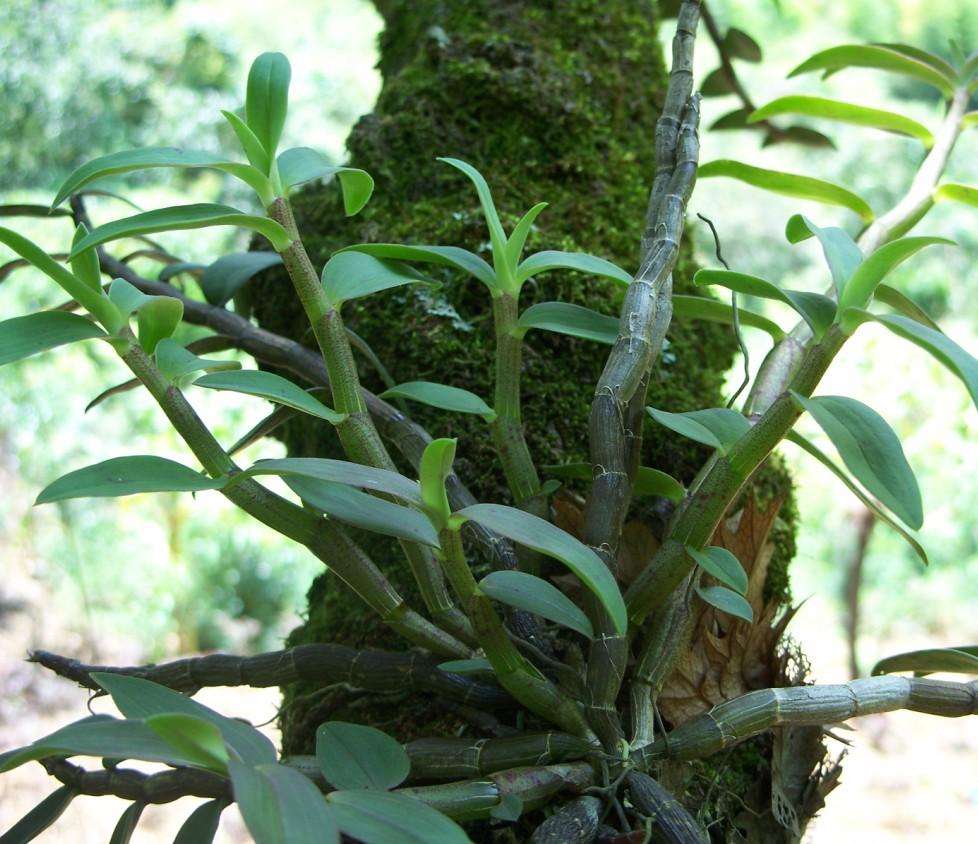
126, 826
843, 112
192, 738
302, 164
517, 240
741, 46
201, 826
537, 596
24, 336
723, 565
267, 99
648, 481
178, 363
957, 660
38, 819
872, 56
870, 450
355, 756
222, 279
905, 305
86, 267
181, 217
952, 192
711, 310
842, 254
541, 536
341, 472
267, 385
436, 464
817, 310
446, 256
548, 260
496, 234
717, 427
569, 319
364, 511
127, 476
441, 396
29, 210
869, 503
390, 818
788, 184
350, 275
726, 600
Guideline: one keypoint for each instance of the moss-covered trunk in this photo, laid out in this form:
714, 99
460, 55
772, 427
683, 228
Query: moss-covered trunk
552, 101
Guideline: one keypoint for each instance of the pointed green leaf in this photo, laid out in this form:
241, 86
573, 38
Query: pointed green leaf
541, 536
184, 217
741, 46
302, 164
817, 310
447, 256
881, 58
364, 511
341, 472
24, 336
959, 660
267, 100
711, 310
257, 803
952, 192
905, 305
38, 819
787, 184
355, 756
869, 503
126, 826
441, 396
572, 320
648, 481
28, 210
177, 362
870, 450
201, 826
192, 738
517, 240
86, 267
275, 388
252, 147
717, 84
390, 818
726, 600
857, 115
467, 666
537, 596
842, 254
724, 566
925, 56
717, 427
306, 819
350, 275
435, 467
157, 319
222, 279
548, 260
496, 234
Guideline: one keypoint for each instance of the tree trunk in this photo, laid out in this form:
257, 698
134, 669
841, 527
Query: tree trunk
556, 102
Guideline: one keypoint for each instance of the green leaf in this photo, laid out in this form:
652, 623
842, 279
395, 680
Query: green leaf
201, 826
28, 210
842, 254
275, 388
257, 803
548, 260
305, 817
128, 161
446, 256
925, 56
24, 336
436, 465
253, 149
648, 481
572, 320
870, 450
717, 427
441, 396
788, 184
517, 240
959, 660
711, 310
178, 363
138, 698
157, 319
741, 46
355, 756
969, 120
302, 164
364, 511
181, 217
537, 596
384, 818
886, 121
717, 84
267, 100
510, 808
126, 826
121, 476
86, 267
726, 600
859, 290
467, 666
192, 738
496, 234
869, 503
724, 566
38, 819
817, 310
801, 135
341, 472
350, 275
541, 536
905, 305
222, 279
881, 58
736, 119
952, 192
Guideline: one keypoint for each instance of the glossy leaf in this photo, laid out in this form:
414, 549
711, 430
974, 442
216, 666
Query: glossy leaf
726, 600
157, 319
302, 164
192, 738
24, 336
222, 279
350, 275
341, 472
38, 819
648, 481
384, 818
870, 450
496, 234
817, 310
717, 427
178, 363
843, 112
29, 210
788, 184
925, 56
252, 147
436, 465
711, 310
127, 823
952, 192
442, 396
905, 305
548, 260
355, 756
201, 826
869, 503
537, 596
960, 660
364, 511
181, 217
741, 46
267, 99
724, 566
446, 256
517, 240
86, 267
541, 536
275, 388
871, 56
569, 319
842, 254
